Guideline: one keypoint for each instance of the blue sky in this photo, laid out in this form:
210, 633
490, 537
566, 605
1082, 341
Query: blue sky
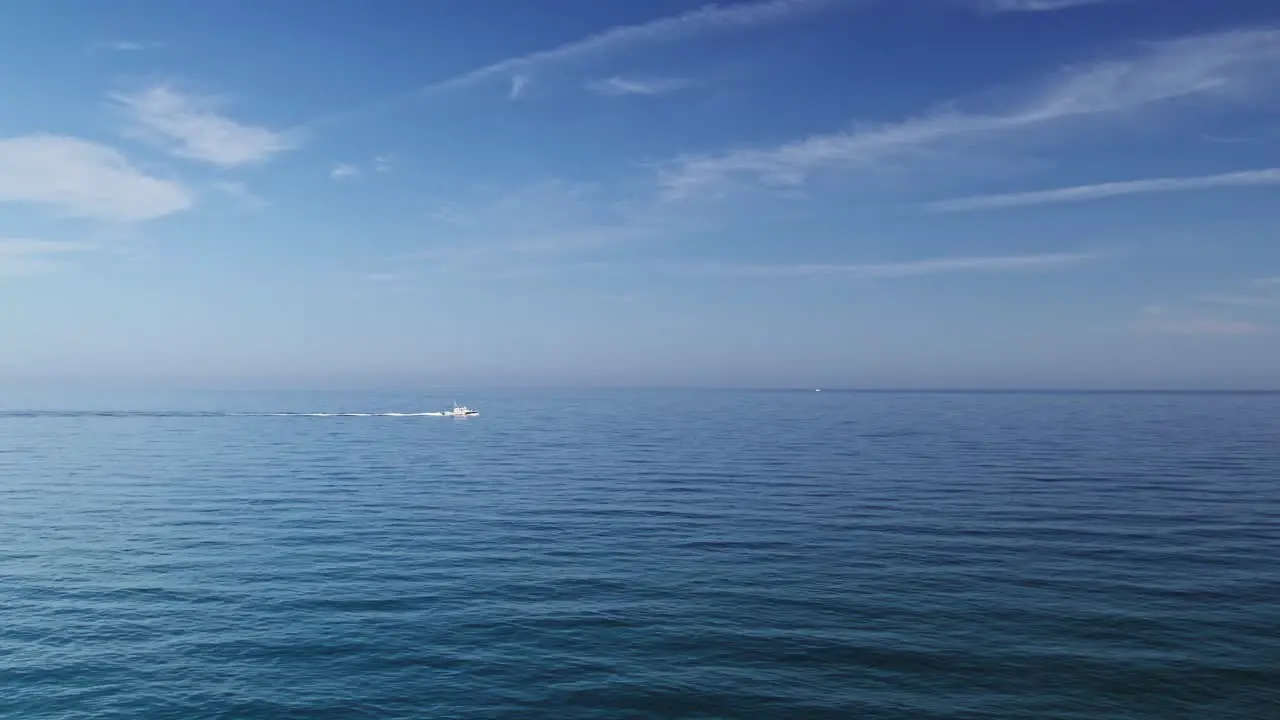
916, 193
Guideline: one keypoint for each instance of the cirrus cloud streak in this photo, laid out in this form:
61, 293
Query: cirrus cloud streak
1080, 193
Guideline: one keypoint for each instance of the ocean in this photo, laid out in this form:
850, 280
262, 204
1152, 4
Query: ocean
641, 554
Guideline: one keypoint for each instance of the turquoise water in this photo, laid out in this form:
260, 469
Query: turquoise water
641, 555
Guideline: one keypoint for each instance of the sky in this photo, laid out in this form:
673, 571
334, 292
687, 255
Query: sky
770, 193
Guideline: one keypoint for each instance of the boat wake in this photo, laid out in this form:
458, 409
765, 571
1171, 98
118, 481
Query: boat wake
32, 414
384, 414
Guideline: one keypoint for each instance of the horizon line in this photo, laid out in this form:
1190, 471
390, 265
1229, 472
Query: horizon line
43, 384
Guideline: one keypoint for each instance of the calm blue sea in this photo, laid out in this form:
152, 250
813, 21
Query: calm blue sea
641, 554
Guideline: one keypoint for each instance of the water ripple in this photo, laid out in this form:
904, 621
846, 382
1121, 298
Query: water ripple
635, 556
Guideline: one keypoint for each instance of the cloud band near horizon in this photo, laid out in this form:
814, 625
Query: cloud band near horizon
917, 268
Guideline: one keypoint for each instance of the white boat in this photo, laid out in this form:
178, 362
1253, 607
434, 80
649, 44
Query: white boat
461, 411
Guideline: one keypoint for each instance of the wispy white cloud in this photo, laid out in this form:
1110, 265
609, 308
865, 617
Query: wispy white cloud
343, 171
26, 256
1001, 6
1241, 300
192, 127
707, 20
450, 213
84, 179
126, 45
545, 218
1257, 293
133, 46
245, 199
916, 268
549, 220
1218, 65
1079, 193
519, 82
619, 86
1226, 140
1163, 320
381, 164
1201, 326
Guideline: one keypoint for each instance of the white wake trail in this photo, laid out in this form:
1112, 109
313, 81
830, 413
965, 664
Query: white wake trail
353, 414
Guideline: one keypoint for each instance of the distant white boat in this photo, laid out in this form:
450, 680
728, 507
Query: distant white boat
461, 411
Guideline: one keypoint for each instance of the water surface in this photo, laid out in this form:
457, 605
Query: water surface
641, 554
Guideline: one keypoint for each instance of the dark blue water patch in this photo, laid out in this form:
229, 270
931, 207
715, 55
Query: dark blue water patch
749, 555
